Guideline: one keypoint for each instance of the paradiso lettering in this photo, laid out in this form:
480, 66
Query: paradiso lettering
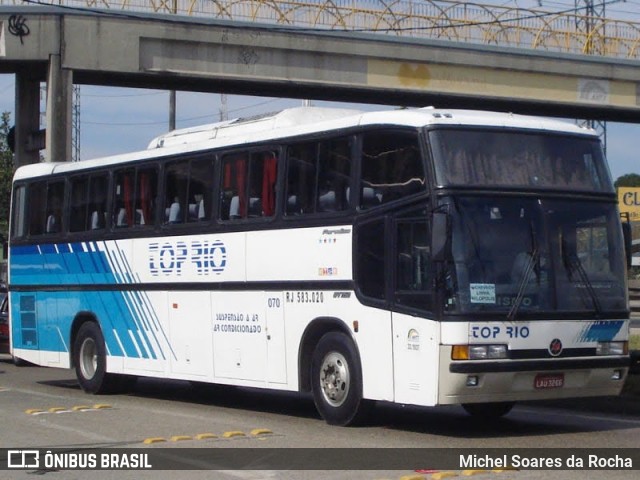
172, 258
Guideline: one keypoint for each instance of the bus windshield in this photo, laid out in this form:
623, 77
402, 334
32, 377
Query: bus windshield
530, 255
511, 158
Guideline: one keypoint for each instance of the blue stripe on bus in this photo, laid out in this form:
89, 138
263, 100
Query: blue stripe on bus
130, 325
24, 250
602, 331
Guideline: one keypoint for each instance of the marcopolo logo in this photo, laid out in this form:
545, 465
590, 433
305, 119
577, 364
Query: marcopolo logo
173, 258
555, 347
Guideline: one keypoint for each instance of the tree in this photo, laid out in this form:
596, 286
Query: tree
628, 180
6, 173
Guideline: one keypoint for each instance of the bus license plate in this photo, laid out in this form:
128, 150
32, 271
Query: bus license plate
555, 380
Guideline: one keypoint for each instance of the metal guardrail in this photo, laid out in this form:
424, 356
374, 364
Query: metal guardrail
455, 20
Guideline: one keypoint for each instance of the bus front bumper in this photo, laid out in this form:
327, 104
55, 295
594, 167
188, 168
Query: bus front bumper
480, 381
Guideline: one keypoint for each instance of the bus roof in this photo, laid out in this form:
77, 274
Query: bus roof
300, 121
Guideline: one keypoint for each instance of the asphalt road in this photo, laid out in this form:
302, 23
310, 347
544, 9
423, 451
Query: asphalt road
44, 408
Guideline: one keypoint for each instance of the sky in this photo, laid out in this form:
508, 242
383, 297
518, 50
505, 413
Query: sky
119, 120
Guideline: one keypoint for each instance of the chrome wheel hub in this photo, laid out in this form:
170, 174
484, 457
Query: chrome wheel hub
88, 358
334, 379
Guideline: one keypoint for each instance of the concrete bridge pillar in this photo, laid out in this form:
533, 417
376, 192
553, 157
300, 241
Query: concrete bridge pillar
55, 140
59, 124
27, 117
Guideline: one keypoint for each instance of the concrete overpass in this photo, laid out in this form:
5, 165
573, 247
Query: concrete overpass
63, 47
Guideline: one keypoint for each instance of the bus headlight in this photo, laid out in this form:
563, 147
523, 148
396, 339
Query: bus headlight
612, 348
478, 352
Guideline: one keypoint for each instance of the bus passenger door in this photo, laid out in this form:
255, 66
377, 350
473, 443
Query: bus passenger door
416, 339
275, 331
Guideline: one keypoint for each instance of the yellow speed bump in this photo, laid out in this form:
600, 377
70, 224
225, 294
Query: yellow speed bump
261, 431
58, 410
80, 408
34, 411
232, 434
205, 436
412, 477
468, 473
149, 441
102, 406
181, 438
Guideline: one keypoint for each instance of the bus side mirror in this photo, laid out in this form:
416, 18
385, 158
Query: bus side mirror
439, 236
626, 233
5, 247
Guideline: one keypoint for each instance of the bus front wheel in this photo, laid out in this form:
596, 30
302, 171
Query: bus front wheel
488, 411
90, 359
336, 378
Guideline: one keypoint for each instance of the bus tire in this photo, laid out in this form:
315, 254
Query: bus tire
488, 411
336, 378
19, 362
90, 360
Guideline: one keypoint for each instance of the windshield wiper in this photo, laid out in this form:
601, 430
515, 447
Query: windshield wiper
534, 257
533, 260
572, 262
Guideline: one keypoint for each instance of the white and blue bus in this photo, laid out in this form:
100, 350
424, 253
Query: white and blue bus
419, 256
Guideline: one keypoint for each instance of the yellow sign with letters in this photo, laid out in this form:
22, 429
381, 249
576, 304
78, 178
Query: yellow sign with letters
629, 202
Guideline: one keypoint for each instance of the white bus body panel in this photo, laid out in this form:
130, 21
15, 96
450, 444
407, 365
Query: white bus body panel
415, 359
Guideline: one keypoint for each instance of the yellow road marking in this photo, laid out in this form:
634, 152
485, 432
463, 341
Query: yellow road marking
149, 441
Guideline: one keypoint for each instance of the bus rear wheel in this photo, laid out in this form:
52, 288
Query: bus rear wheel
90, 360
488, 411
336, 377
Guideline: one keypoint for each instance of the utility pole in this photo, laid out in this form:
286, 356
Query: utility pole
172, 93
75, 124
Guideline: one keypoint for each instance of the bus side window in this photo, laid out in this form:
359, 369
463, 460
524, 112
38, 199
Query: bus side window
370, 259
301, 178
37, 207
98, 186
79, 204
262, 184
233, 204
269, 165
391, 169
200, 188
55, 197
175, 189
334, 175
19, 207
248, 185
123, 198
134, 196
414, 272
145, 197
